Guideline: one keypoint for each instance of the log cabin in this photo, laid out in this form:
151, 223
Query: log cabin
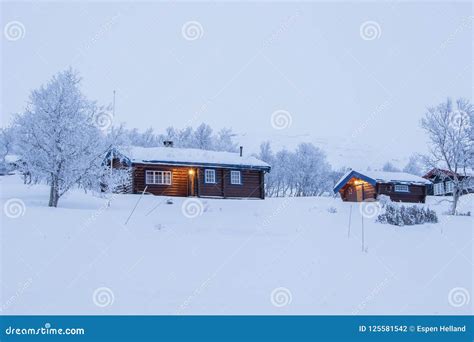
357, 186
170, 171
443, 182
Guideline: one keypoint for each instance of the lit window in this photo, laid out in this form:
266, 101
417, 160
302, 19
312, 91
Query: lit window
235, 177
158, 177
209, 176
438, 189
401, 188
449, 186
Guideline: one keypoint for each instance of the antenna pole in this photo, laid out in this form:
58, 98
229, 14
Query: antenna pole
113, 106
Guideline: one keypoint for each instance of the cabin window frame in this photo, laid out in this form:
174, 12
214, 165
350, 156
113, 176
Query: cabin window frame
399, 187
159, 180
210, 176
438, 189
449, 187
232, 174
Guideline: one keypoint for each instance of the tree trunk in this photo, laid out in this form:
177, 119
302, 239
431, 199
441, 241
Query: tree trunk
53, 192
455, 200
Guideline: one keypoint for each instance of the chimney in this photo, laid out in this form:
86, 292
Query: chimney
241, 149
168, 143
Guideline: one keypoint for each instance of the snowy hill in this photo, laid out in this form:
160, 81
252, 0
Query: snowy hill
213, 256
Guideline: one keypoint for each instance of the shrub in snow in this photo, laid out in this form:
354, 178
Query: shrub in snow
169, 201
401, 215
332, 210
384, 200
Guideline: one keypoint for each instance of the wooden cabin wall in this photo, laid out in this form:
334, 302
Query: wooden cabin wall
179, 180
252, 182
251, 186
349, 192
416, 194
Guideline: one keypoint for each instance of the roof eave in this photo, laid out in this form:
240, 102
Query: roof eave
215, 165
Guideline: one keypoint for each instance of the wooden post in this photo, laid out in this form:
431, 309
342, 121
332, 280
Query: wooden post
223, 182
349, 228
362, 233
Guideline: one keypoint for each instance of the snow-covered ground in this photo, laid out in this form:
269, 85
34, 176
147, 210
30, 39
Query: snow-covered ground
277, 256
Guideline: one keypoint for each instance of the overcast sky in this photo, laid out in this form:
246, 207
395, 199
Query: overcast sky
349, 77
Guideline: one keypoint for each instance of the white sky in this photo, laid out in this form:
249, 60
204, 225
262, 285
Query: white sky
361, 100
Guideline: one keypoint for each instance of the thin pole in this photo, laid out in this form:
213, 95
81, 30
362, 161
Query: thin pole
350, 218
136, 204
113, 106
112, 151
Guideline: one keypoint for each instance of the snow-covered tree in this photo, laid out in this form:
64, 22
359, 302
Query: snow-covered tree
224, 141
58, 141
313, 171
389, 167
266, 154
304, 172
449, 129
415, 165
203, 137
6, 147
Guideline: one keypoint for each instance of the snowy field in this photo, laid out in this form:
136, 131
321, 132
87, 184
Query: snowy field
277, 256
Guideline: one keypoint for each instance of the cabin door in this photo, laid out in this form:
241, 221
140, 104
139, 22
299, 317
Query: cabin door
360, 193
192, 182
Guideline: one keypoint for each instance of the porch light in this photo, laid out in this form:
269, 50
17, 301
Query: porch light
191, 171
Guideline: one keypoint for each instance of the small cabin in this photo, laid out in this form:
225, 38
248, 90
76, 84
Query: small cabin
357, 186
443, 182
171, 171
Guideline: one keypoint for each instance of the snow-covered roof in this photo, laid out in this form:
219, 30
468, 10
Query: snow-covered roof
381, 177
469, 172
192, 156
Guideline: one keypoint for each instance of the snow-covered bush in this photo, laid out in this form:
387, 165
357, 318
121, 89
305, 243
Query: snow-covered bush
332, 210
401, 215
384, 200
117, 180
